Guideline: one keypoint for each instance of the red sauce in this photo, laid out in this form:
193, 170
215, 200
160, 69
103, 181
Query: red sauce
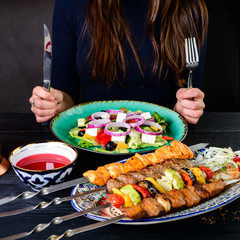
43, 162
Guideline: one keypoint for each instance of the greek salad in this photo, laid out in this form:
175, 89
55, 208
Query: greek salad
118, 131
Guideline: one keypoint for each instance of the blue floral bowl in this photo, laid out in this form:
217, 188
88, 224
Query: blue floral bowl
43, 164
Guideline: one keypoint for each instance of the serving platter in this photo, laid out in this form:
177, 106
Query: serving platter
82, 203
66, 120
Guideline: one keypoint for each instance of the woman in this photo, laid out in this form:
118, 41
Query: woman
120, 49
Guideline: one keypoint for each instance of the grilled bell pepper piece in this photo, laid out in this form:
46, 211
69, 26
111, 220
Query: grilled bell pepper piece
131, 193
156, 184
198, 174
127, 200
144, 192
185, 177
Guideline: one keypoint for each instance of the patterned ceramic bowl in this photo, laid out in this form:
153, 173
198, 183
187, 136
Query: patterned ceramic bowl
42, 164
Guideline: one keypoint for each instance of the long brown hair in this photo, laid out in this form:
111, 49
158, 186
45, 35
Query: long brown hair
168, 23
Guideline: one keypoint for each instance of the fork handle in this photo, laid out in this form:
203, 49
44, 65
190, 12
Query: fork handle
189, 84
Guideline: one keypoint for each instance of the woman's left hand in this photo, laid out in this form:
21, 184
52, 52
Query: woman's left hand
190, 104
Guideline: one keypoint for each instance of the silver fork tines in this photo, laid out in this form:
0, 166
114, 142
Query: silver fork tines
192, 58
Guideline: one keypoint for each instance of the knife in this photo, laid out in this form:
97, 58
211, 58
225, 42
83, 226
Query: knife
64, 185
198, 146
47, 61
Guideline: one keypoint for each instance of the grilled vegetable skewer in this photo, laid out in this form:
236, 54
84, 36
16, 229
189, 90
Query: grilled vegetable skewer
174, 199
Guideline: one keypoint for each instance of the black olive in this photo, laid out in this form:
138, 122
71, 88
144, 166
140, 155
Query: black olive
81, 133
124, 129
109, 146
97, 118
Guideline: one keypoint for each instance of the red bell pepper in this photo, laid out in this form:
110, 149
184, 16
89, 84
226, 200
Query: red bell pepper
145, 193
185, 177
103, 138
167, 138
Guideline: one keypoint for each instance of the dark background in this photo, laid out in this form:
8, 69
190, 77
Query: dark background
21, 49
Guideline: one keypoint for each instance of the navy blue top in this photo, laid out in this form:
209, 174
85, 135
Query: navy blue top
71, 73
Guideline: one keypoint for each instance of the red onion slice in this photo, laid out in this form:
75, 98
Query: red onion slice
139, 120
150, 123
117, 124
114, 111
98, 123
103, 115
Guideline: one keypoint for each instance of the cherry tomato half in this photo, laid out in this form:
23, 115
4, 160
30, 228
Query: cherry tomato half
116, 200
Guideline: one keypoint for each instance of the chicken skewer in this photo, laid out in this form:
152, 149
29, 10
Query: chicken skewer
177, 150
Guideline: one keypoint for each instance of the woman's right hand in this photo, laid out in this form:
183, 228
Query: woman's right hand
45, 105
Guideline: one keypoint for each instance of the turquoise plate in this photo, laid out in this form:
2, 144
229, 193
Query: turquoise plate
66, 120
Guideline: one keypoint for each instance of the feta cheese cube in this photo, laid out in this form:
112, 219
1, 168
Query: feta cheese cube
118, 139
148, 138
81, 122
92, 131
146, 115
120, 117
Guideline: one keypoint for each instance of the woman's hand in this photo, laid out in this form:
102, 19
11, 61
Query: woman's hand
45, 104
190, 104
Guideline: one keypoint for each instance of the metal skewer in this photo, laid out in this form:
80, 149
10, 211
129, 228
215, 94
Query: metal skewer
55, 201
44, 191
57, 220
71, 232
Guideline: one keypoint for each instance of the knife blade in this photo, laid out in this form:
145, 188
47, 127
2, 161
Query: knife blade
198, 146
61, 186
47, 61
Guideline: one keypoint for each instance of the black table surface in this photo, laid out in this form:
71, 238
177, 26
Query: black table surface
218, 129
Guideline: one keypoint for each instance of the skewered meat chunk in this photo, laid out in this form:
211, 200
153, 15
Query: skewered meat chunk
173, 165
127, 179
134, 212
138, 175
152, 207
214, 188
150, 172
153, 158
114, 169
114, 183
160, 168
105, 173
185, 163
94, 177
186, 152
201, 192
164, 154
191, 198
176, 198
144, 160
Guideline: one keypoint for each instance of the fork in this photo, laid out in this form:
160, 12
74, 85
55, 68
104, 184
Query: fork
192, 58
